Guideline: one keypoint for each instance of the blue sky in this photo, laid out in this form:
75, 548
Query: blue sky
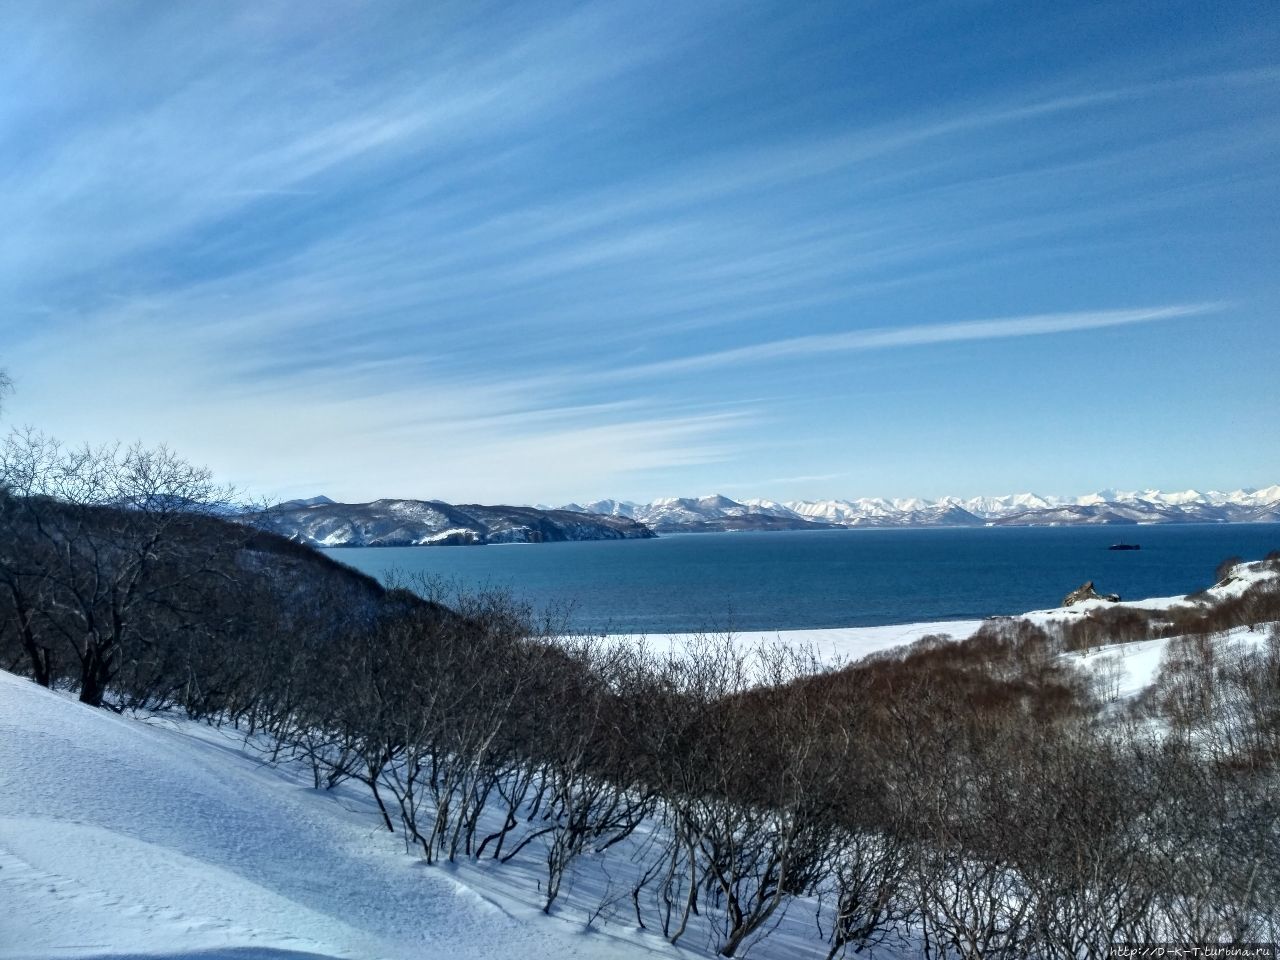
549, 251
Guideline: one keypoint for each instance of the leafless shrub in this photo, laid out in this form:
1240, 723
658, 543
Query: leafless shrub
1107, 626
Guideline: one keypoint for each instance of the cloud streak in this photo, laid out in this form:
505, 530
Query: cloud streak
270, 236
882, 338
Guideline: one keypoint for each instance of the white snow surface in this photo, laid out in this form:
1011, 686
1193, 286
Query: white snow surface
125, 838
833, 647
1133, 667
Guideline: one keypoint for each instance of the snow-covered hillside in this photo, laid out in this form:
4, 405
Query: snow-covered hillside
319, 522
1131, 668
129, 838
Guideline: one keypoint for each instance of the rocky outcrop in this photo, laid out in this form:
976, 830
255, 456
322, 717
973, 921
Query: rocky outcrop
1086, 592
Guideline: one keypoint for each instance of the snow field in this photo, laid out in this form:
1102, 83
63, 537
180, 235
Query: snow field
127, 837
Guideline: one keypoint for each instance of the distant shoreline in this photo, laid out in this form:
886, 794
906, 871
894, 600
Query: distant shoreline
861, 527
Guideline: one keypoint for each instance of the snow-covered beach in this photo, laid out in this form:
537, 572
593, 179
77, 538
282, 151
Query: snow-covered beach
831, 647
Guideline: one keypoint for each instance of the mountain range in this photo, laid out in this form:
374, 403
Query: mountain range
320, 522
717, 512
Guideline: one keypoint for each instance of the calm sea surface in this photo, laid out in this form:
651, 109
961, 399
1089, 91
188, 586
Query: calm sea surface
836, 578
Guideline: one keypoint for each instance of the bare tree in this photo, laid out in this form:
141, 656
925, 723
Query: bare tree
95, 560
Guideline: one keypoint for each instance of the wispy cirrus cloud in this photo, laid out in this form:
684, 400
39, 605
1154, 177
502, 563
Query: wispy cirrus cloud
881, 338
482, 229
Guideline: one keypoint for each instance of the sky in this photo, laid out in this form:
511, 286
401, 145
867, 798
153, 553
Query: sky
551, 252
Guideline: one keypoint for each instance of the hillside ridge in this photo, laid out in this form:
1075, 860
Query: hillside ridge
320, 522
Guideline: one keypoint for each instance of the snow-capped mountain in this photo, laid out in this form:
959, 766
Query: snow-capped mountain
704, 514
319, 501
717, 512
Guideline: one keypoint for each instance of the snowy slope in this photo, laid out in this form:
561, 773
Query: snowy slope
122, 838
1133, 667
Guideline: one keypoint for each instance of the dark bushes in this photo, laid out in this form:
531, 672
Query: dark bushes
1258, 603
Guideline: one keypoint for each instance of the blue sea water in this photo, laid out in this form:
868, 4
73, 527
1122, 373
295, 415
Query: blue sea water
835, 578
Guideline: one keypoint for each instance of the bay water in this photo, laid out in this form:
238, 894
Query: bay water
828, 578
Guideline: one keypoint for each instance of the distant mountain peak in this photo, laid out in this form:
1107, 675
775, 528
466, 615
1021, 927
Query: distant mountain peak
317, 501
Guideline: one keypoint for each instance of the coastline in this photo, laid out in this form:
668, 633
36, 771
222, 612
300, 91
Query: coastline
839, 646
